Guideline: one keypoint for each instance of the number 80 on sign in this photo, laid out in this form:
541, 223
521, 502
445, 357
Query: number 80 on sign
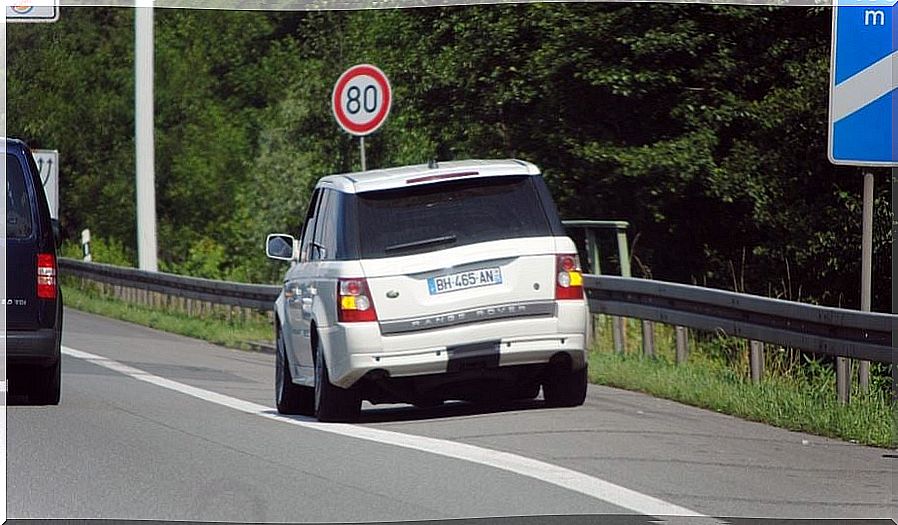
361, 99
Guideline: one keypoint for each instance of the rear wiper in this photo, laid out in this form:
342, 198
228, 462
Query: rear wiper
417, 244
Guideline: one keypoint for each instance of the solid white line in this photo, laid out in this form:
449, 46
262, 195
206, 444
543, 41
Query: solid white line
559, 476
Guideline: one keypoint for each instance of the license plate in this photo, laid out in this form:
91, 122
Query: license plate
464, 280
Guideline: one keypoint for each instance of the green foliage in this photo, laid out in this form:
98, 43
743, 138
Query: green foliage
704, 126
809, 406
106, 251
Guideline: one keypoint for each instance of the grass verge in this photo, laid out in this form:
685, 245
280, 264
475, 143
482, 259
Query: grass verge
806, 405
231, 333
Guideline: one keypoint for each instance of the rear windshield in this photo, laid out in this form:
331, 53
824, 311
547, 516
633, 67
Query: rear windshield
442, 215
19, 221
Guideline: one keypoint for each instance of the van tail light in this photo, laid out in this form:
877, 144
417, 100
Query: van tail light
354, 301
46, 276
568, 277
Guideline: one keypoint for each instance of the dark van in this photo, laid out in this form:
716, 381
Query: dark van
33, 301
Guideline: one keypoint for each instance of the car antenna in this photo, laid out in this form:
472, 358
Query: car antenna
432, 164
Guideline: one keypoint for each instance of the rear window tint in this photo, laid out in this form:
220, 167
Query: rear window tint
19, 218
442, 215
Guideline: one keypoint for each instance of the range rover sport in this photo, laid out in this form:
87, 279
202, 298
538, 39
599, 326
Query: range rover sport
427, 283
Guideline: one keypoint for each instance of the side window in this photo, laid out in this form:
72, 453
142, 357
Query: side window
19, 218
319, 250
309, 227
327, 235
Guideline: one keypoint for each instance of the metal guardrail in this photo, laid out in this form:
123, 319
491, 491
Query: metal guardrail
823, 330
256, 296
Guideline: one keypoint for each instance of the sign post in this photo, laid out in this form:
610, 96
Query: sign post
863, 120
144, 141
361, 102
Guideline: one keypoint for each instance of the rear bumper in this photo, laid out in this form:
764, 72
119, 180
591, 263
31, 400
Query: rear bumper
354, 349
33, 347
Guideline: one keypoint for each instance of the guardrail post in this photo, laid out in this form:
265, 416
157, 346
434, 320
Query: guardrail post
617, 331
592, 249
648, 338
682, 344
595, 267
863, 370
648, 333
843, 379
756, 361
623, 253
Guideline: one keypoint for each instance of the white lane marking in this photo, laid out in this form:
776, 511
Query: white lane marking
559, 476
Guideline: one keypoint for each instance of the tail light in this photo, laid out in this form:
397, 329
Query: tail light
568, 277
354, 301
46, 276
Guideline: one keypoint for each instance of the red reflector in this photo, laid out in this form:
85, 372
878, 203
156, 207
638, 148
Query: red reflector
571, 292
357, 316
441, 177
46, 276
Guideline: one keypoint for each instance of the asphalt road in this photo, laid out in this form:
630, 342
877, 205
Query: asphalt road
156, 426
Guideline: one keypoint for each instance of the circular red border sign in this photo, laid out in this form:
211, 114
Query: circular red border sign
337, 95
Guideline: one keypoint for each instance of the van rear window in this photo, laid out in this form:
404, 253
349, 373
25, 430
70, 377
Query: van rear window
19, 217
436, 216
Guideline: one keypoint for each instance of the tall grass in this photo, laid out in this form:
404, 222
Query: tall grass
796, 392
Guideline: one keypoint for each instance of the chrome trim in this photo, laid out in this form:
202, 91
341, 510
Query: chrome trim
471, 315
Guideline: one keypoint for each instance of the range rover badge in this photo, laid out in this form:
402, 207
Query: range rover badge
392, 294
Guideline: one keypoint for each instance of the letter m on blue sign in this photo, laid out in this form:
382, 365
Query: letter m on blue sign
863, 99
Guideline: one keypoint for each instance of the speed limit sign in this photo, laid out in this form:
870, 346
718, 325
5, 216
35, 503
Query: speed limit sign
361, 99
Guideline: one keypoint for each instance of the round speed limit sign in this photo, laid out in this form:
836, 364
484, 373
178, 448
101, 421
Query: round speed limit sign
361, 99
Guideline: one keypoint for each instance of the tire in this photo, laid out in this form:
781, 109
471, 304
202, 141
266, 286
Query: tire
526, 392
565, 388
47, 383
332, 403
290, 398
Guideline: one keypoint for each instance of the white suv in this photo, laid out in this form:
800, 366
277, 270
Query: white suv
426, 283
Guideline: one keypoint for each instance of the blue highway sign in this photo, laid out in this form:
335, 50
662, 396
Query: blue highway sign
863, 99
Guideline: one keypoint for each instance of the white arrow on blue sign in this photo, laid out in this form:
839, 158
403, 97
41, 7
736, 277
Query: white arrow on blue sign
863, 99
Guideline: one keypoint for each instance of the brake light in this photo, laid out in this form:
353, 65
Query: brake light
568, 278
354, 301
429, 178
46, 276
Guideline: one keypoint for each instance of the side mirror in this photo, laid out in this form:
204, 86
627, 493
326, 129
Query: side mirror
57, 232
280, 246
